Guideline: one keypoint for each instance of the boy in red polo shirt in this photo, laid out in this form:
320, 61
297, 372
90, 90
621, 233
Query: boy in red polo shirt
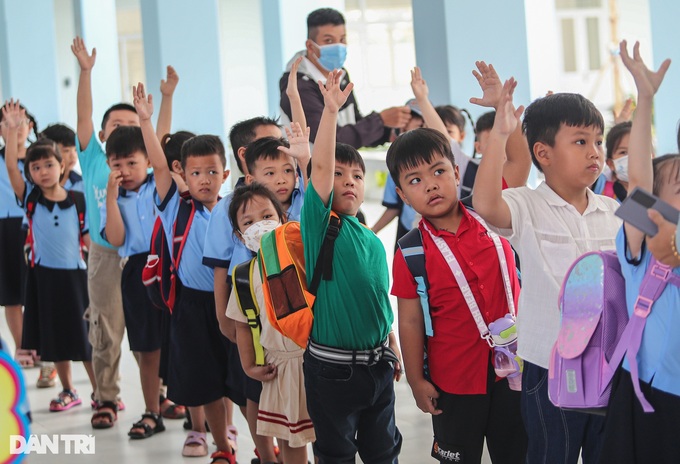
459, 387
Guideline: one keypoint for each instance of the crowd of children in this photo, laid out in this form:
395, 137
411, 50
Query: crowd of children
456, 270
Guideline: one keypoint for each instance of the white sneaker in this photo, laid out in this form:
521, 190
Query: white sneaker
48, 375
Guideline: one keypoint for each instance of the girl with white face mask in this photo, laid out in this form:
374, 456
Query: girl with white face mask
617, 160
254, 211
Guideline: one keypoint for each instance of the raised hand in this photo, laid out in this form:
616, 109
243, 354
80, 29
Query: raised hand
333, 96
507, 117
626, 113
85, 60
169, 84
13, 115
646, 80
292, 87
299, 142
143, 103
418, 84
490, 83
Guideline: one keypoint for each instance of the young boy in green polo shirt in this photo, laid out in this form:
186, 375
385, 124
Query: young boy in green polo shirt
352, 357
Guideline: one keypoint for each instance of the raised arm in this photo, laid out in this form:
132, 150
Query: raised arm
487, 199
14, 116
323, 160
640, 171
421, 92
161, 172
168, 86
518, 157
296, 109
84, 128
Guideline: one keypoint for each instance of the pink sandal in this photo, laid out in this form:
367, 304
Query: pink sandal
66, 400
196, 445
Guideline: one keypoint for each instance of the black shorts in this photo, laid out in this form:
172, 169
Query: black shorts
12, 262
633, 436
142, 318
53, 318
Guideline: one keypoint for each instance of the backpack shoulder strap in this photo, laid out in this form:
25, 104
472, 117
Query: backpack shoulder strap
79, 200
411, 246
242, 280
31, 202
185, 216
324, 262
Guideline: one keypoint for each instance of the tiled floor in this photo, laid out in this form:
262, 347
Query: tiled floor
113, 445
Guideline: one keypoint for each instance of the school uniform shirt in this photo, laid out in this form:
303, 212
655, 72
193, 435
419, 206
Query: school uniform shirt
192, 273
74, 182
352, 311
548, 235
458, 358
56, 232
659, 356
95, 179
139, 215
9, 208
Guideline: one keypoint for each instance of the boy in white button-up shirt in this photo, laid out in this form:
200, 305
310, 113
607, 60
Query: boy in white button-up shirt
549, 228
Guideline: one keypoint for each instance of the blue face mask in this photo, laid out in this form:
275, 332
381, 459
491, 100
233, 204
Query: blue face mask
332, 56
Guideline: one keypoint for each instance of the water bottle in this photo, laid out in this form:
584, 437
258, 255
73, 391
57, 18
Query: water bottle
505, 360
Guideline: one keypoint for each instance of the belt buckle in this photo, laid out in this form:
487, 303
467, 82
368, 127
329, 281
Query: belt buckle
375, 356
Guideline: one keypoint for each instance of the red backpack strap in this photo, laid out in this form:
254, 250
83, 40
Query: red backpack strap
30, 205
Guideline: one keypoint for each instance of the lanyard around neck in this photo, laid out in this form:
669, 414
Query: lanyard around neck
457, 272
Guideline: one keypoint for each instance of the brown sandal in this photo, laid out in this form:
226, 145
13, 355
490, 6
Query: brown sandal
105, 410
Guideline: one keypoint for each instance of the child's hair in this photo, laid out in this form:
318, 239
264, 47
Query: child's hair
244, 194
345, 154
42, 149
615, 135
243, 133
125, 141
61, 134
449, 114
203, 145
264, 148
172, 145
414, 148
117, 107
321, 17
485, 122
544, 117
31, 118
666, 169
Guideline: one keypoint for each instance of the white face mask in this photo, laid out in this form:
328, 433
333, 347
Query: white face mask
621, 168
254, 233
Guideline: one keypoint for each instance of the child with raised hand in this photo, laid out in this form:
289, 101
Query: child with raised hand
351, 360
12, 238
65, 139
56, 291
105, 312
549, 227
198, 363
282, 407
632, 435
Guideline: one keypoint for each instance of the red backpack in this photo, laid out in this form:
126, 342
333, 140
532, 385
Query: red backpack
160, 274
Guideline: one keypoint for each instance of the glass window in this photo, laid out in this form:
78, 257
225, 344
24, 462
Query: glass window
593, 35
577, 4
568, 45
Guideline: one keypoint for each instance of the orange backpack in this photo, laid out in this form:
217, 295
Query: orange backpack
288, 299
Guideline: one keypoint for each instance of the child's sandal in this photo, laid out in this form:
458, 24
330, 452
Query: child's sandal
107, 410
170, 410
147, 429
66, 400
223, 456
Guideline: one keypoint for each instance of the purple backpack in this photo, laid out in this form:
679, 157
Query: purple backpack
595, 332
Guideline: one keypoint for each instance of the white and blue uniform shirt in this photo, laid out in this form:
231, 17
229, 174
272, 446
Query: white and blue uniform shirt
56, 232
139, 215
192, 272
407, 215
9, 208
659, 355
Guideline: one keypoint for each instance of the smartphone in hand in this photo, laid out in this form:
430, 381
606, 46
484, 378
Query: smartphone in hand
633, 210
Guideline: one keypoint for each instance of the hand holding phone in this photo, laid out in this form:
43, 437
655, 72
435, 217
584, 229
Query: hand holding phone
634, 208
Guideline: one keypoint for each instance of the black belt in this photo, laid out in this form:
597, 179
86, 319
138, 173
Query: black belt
363, 357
